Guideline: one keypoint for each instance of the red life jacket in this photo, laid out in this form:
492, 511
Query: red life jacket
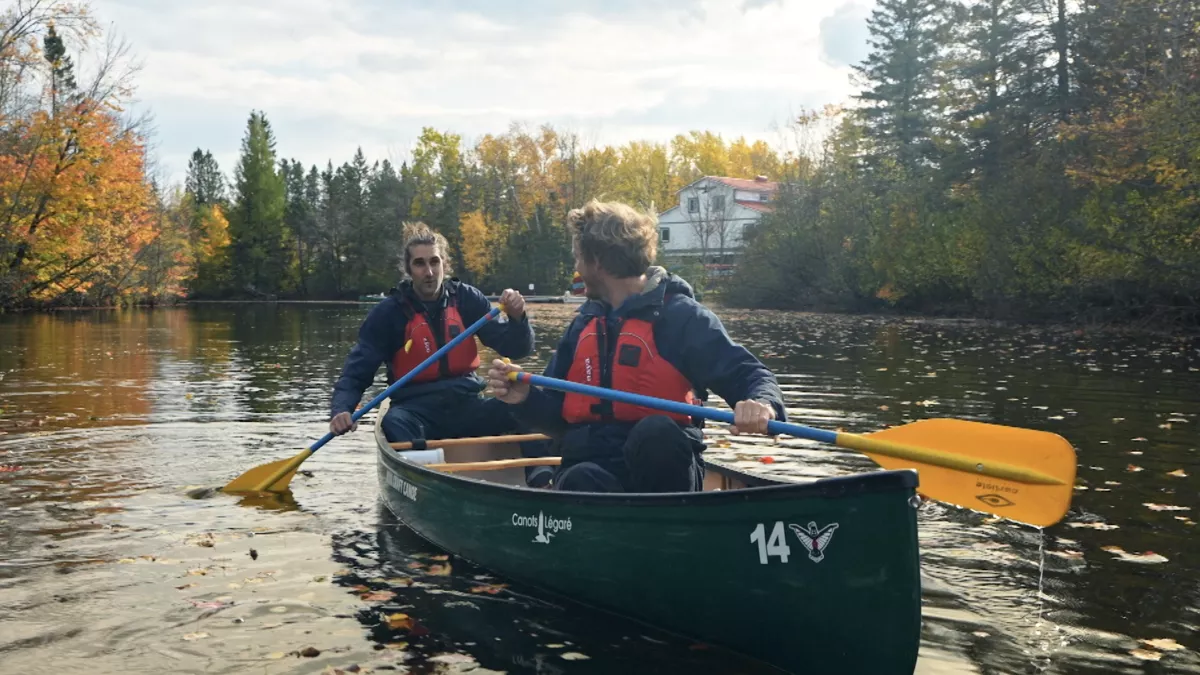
460, 361
637, 368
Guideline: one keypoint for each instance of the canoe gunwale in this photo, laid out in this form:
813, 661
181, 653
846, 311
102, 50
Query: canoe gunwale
758, 487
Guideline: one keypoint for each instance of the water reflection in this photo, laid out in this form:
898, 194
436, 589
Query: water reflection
109, 418
444, 609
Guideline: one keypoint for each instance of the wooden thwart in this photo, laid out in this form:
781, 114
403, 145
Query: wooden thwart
450, 442
496, 464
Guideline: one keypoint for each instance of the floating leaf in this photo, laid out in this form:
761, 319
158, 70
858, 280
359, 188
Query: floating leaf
439, 570
1146, 655
1149, 557
1069, 555
440, 558
399, 621
378, 596
195, 636
1177, 473
1133, 468
574, 656
1165, 507
490, 589
1094, 526
1163, 644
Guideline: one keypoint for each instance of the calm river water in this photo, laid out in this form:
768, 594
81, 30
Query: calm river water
115, 556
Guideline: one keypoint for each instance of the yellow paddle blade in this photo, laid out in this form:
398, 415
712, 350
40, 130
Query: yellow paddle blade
273, 477
976, 460
407, 346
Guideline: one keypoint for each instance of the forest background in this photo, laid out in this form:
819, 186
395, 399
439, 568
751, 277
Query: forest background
1018, 159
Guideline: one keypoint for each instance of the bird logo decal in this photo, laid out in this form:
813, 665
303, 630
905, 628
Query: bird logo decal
815, 539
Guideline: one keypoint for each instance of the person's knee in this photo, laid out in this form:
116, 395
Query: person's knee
401, 427
661, 456
586, 477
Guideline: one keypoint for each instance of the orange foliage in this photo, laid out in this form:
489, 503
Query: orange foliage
75, 206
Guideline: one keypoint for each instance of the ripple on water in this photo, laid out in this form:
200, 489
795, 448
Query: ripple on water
117, 556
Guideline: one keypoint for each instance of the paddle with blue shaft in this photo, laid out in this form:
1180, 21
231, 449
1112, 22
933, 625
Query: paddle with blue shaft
274, 477
1020, 474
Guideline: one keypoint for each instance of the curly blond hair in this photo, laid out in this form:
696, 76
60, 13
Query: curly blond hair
417, 233
623, 240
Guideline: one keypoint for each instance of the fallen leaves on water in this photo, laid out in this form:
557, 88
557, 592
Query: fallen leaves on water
1149, 557
1145, 654
8, 468
1133, 468
453, 659
1094, 526
185, 586
440, 558
439, 570
490, 589
1165, 507
767, 459
275, 656
399, 621
195, 636
574, 656
1163, 644
980, 634
415, 565
378, 596
1069, 555
399, 581
1139, 439
208, 604
1177, 473
1185, 520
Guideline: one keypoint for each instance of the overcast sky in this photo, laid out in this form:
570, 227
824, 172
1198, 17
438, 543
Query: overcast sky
333, 76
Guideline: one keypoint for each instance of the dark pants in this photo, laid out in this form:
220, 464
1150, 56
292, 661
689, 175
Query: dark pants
447, 415
454, 415
658, 456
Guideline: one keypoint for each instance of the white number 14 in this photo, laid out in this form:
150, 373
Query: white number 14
776, 545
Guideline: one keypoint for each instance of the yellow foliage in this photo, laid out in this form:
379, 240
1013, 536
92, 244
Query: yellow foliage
478, 243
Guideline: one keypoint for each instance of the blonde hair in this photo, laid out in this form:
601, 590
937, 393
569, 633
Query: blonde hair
622, 240
417, 233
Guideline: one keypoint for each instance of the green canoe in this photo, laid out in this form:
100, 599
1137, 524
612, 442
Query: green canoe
816, 577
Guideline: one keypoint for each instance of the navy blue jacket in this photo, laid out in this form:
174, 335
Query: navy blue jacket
382, 333
687, 334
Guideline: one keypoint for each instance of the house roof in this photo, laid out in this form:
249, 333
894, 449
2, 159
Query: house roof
755, 206
746, 183
738, 183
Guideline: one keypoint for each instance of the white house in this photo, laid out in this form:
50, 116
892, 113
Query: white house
711, 214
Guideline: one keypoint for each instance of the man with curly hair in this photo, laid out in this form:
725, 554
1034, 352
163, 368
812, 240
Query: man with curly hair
641, 331
420, 316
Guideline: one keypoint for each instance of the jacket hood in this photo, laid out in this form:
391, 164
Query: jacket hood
659, 282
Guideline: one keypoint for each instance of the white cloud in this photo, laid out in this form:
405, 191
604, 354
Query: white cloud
332, 76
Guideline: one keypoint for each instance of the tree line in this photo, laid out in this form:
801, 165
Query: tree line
1010, 158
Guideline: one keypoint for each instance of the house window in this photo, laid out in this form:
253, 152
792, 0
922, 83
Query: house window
717, 203
693, 204
664, 234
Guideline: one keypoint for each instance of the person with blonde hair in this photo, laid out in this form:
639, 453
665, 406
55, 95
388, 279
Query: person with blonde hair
419, 317
642, 331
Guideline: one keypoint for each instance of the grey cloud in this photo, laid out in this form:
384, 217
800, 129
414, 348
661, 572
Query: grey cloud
844, 35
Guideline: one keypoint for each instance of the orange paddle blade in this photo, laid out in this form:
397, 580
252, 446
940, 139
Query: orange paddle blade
1040, 453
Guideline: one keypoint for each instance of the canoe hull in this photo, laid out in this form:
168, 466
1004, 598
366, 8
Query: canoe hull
730, 567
